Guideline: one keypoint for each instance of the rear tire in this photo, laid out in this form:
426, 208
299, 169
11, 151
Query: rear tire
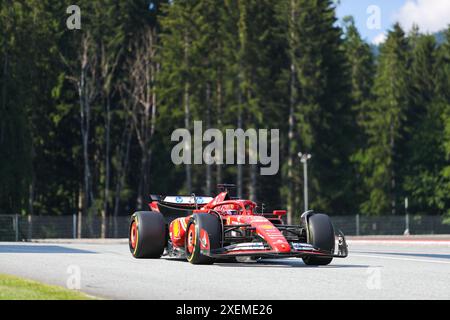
321, 235
212, 226
147, 236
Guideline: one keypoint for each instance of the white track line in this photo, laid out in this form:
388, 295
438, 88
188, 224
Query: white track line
401, 242
396, 258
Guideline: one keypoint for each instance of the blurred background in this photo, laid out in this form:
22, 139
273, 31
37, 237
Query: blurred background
86, 114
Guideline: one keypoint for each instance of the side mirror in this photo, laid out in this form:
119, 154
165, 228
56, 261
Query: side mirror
279, 212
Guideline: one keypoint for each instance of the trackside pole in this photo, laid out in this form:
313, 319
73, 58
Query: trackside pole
74, 226
16, 224
305, 181
304, 159
407, 232
30, 226
357, 224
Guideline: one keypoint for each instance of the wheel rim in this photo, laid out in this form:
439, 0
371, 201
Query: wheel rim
133, 235
191, 239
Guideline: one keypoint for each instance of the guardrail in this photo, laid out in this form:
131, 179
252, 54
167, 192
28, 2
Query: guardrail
23, 228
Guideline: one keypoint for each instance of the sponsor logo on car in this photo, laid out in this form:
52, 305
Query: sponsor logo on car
176, 229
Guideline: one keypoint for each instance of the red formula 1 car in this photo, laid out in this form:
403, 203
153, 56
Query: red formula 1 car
206, 229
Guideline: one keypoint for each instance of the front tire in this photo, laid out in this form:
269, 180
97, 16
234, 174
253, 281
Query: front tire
147, 236
321, 235
213, 228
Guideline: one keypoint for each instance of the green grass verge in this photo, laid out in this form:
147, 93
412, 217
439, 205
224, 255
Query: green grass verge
13, 288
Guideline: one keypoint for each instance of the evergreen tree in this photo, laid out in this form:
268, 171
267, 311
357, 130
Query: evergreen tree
423, 154
362, 68
15, 171
443, 96
322, 115
359, 56
381, 161
181, 69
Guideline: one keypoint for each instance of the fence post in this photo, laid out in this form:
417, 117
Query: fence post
30, 227
407, 232
357, 224
16, 223
74, 226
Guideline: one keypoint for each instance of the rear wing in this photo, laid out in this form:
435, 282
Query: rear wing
182, 201
173, 207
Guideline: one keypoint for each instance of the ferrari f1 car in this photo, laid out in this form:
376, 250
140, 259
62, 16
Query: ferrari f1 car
206, 229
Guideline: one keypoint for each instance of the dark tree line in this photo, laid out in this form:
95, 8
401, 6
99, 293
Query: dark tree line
86, 115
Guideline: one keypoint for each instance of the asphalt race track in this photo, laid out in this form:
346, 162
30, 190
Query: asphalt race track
373, 270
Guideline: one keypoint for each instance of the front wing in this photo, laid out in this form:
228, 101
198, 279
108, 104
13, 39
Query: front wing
261, 250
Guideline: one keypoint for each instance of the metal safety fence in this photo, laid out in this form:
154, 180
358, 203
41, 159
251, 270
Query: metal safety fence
359, 225
24, 228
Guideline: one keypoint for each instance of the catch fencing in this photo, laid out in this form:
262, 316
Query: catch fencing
359, 225
24, 228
